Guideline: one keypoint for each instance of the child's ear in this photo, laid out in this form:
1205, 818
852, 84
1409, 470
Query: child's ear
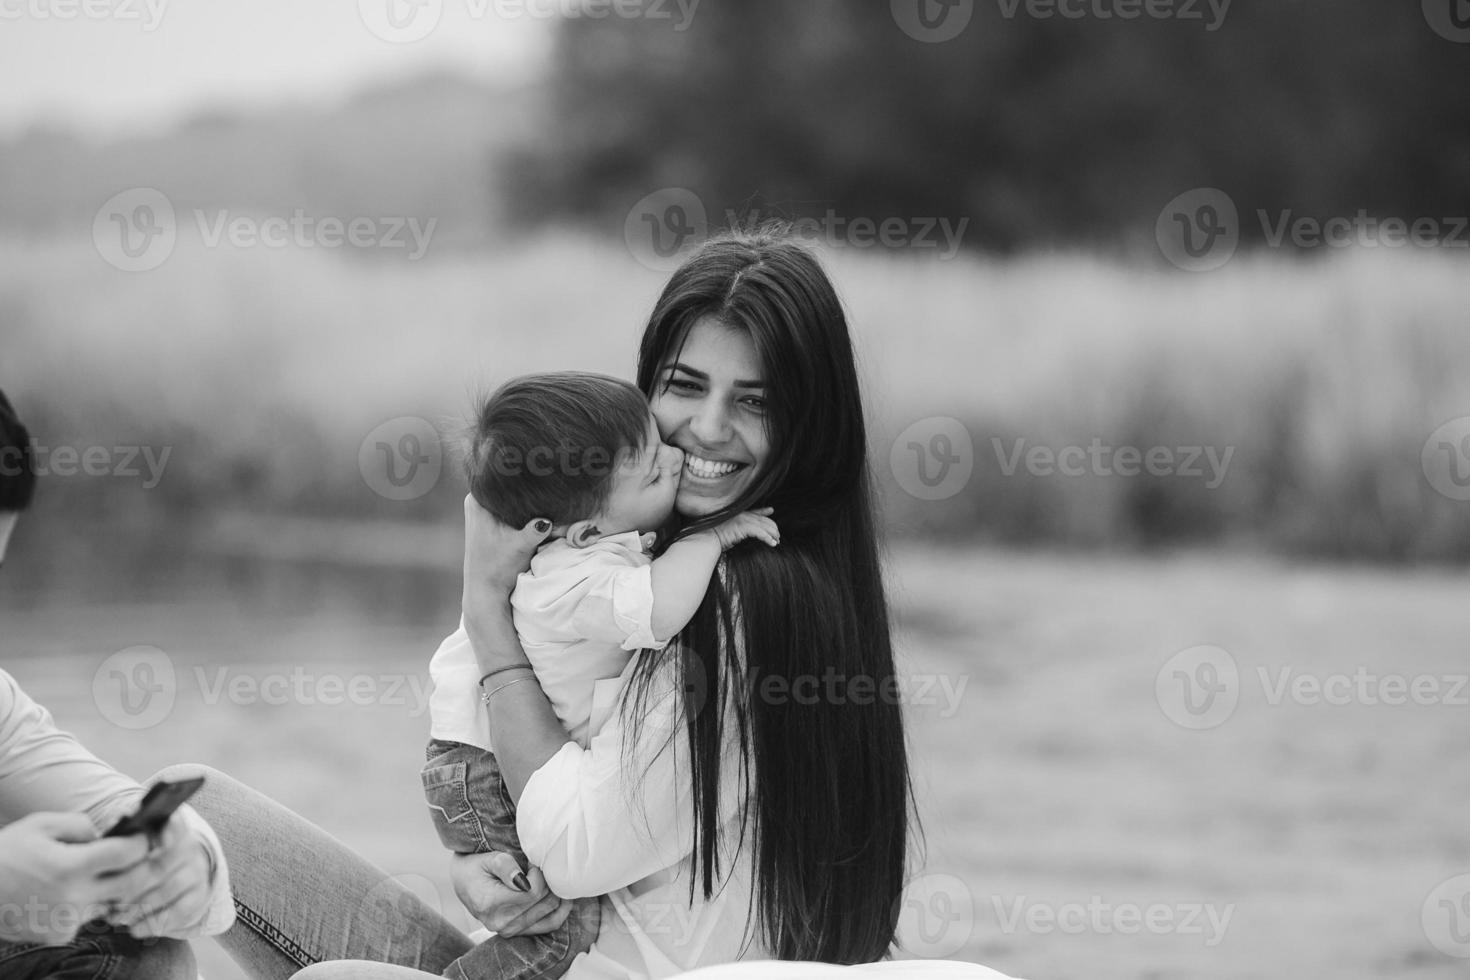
582, 533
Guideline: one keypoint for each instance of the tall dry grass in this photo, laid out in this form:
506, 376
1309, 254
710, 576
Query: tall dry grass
265, 369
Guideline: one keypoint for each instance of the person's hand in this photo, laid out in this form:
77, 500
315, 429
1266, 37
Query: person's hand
505, 899
172, 888
750, 524
495, 554
56, 875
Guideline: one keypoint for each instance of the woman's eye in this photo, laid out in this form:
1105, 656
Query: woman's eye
758, 404
683, 386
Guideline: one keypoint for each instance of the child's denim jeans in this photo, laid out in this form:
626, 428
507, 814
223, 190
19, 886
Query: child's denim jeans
473, 814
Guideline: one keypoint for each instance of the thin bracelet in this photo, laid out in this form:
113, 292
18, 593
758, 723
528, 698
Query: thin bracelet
501, 670
485, 696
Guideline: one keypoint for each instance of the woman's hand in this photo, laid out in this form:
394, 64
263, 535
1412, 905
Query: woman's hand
494, 555
503, 898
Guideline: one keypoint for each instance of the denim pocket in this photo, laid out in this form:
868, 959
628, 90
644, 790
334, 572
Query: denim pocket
446, 790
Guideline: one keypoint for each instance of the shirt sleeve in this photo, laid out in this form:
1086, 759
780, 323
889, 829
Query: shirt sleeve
598, 819
611, 603
46, 770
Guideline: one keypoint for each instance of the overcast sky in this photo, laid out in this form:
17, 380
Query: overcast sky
107, 66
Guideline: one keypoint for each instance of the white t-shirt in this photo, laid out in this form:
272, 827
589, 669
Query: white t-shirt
580, 612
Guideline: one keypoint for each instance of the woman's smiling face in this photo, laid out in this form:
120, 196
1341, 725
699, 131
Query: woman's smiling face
711, 402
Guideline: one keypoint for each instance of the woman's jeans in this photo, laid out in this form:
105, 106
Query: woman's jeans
302, 897
99, 953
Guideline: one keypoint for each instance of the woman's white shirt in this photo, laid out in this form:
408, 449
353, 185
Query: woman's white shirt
615, 820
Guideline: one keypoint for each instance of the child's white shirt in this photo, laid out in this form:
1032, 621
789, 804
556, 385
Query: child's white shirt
580, 614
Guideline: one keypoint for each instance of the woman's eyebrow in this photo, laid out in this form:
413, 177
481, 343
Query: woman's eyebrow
701, 376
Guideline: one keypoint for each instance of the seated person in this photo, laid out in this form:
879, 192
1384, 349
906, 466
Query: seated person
73, 903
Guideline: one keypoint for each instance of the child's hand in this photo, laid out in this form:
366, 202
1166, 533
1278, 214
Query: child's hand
751, 524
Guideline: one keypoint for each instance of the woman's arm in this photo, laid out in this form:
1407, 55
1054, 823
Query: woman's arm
523, 728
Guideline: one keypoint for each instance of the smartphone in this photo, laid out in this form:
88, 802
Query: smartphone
162, 799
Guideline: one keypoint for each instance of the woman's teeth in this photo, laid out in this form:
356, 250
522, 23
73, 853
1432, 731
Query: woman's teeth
708, 469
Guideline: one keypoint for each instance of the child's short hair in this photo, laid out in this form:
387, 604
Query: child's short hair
547, 445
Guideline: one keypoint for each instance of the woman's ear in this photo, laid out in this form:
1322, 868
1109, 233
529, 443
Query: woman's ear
582, 533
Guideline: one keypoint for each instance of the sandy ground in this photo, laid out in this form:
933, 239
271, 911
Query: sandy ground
1075, 829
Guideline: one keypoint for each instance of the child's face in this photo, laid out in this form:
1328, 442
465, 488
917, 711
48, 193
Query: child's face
644, 487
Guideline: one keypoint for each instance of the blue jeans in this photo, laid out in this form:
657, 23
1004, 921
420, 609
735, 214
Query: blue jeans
302, 897
99, 952
473, 814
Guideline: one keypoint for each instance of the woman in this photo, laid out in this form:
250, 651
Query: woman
723, 812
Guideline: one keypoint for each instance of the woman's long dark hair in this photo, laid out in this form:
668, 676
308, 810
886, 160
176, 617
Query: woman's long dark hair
829, 806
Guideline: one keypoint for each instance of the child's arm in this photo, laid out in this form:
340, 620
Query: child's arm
682, 573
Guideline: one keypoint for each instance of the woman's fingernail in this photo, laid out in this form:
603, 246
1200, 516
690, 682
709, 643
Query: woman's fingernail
542, 525
521, 882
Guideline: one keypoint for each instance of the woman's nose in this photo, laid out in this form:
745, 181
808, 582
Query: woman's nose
710, 424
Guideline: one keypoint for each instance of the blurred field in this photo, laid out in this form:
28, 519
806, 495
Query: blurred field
1057, 779
264, 370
